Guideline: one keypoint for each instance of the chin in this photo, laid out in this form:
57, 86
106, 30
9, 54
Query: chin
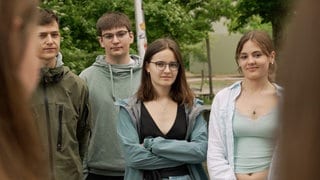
254, 77
167, 84
49, 56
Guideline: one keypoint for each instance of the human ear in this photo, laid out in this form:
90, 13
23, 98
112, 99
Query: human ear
131, 35
100, 39
272, 56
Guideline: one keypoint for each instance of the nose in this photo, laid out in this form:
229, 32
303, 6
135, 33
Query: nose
115, 38
251, 60
49, 39
167, 68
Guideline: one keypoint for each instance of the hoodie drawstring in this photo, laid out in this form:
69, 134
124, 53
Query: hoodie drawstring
112, 82
131, 80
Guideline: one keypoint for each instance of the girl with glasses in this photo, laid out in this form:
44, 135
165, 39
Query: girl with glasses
163, 133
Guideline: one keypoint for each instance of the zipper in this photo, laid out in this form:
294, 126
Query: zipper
46, 104
59, 141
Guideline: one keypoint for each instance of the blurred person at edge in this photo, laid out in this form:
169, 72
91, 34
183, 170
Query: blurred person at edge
299, 147
22, 154
244, 116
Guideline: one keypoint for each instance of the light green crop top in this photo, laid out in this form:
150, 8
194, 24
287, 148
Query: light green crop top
254, 141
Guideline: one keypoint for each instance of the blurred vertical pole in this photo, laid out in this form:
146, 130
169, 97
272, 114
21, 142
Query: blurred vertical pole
209, 65
140, 27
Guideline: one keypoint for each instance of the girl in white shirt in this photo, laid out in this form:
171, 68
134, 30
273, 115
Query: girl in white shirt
243, 118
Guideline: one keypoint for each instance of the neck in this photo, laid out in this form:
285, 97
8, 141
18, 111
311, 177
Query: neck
162, 92
163, 100
50, 63
252, 86
125, 59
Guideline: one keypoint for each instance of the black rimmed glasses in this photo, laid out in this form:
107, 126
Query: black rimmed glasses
119, 35
160, 65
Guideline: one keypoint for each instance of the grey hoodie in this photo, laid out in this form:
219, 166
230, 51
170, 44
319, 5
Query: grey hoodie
108, 83
59, 60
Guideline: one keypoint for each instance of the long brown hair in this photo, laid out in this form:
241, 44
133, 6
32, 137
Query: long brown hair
299, 156
180, 91
22, 155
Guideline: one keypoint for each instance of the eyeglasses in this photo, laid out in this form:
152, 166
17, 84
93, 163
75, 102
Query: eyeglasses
119, 35
173, 66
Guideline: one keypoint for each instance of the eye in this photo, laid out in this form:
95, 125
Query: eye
174, 65
243, 57
121, 33
160, 64
55, 35
43, 35
108, 36
257, 55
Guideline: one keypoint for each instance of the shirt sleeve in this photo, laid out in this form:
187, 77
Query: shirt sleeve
135, 154
189, 152
217, 163
84, 127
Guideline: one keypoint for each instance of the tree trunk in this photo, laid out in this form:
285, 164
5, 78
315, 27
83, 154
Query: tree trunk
209, 66
277, 33
279, 20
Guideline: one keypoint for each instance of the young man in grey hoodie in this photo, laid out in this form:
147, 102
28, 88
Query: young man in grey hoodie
114, 75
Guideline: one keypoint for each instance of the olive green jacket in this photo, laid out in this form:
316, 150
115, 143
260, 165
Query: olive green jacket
61, 107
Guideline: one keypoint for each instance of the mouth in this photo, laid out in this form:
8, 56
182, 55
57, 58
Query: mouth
49, 49
166, 77
116, 48
252, 68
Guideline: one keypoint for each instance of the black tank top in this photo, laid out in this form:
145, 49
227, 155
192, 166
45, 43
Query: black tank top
178, 131
150, 129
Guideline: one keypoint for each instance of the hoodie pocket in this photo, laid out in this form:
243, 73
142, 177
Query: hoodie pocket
60, 116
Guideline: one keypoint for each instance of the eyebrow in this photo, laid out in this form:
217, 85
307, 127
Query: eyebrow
49, 32
116, 31
257, 51
174, 60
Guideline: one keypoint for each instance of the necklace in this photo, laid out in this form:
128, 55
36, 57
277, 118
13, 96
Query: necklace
161, 106
252, 98
254, 112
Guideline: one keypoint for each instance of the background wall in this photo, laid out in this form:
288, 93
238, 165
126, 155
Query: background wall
223, 45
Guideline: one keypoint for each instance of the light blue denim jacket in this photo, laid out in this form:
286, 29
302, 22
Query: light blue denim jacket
157, 153
220, 155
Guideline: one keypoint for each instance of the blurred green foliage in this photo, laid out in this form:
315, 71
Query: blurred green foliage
186, 21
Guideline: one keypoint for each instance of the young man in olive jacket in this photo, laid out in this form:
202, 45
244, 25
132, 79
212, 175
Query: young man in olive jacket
60, 104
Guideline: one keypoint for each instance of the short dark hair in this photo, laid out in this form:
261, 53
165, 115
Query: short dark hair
112, 20
47, 16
